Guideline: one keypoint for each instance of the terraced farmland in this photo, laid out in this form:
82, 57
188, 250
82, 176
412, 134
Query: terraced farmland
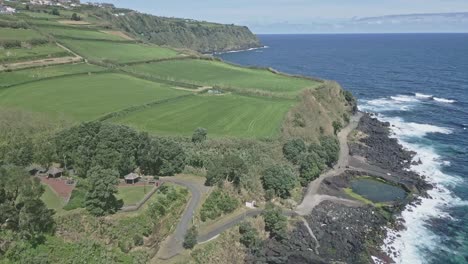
118, 52
223, 115
34, 53
8, 34
206, 72
83, 98
80, 33
28, 75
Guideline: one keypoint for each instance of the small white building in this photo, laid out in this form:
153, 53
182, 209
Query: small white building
7, 10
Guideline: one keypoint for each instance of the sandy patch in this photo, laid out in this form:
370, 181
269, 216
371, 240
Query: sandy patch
117, 33
72, 22
39, 63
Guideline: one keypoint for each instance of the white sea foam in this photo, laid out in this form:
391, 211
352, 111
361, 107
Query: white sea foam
410, 129
443, 100
421, 95
236, 51
404, 98
394, 103
405, 246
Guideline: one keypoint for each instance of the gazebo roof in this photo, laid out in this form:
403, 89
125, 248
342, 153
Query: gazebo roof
54, 170
132, 176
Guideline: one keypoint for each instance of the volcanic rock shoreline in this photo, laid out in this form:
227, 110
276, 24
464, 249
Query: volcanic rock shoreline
352, 234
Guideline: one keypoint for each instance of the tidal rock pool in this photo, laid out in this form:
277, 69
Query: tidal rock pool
377, 191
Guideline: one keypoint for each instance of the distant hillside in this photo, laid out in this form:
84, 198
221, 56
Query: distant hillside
201, 36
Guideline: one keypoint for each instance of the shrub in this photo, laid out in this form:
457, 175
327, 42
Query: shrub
190, 239
216, 204
138, 240
293, 149
199, 135
337, 126
249, 237
275, 222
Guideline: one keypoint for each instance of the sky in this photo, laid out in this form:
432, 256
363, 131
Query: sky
255, 13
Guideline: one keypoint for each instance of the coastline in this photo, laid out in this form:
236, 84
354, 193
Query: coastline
236, 51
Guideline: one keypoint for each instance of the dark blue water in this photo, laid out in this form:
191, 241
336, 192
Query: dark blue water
418, 82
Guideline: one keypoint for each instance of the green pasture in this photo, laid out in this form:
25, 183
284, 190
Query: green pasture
34, 74
205, 72
40, 15
34, 53
222, 115
133, 194
79, 33
82, 98
7, 34
118, 52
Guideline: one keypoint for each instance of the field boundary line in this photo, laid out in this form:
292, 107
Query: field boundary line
136, 108
56, 77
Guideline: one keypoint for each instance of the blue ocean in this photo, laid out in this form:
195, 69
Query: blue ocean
418, 83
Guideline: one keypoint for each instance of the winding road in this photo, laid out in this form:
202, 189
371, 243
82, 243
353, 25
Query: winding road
172, 246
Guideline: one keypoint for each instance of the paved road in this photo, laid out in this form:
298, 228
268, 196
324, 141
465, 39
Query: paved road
173, 244
312, 198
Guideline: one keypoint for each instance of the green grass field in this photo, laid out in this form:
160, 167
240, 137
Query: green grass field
118, 52
79, 33
27, 75
203, 72
83, 98
34, 53
39, 15
225, 115
132, 194
52, 200
18, 34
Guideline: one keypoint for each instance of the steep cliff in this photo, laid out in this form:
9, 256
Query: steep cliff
201, 36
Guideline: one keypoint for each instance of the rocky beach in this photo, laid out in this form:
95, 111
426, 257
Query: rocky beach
353, 234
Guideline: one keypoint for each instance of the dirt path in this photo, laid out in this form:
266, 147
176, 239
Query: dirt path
312, 197
43, 62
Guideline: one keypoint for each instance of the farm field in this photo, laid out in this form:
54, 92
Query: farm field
84, 98
80, 33
34, 53
225, 115
205, 72
118, 52
27, 75
132, 194
7, 34
40, 15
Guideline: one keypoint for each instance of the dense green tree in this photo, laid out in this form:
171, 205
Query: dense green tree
275, 222
75, 17
190, 239
231, 168
55, 12
199, 135
310, 167
249, 237
280, 179
331, 148
293, 149
100, 199
21, 207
